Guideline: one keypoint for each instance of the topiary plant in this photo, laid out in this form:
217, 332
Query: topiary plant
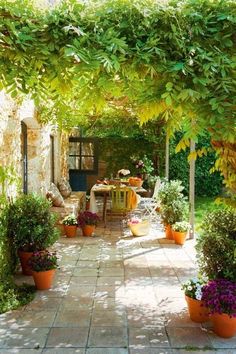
30, 223
216, 245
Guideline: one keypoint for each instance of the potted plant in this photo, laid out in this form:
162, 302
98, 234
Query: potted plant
216, 245
139, 226
180, 230
87, 221
31, 226
70, 225
193, 296
43, 265
219, 296
173, 204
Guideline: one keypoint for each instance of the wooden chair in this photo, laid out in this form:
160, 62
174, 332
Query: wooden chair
122, 202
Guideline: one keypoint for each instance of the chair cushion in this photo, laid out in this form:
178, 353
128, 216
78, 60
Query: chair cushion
55, 196
64, 188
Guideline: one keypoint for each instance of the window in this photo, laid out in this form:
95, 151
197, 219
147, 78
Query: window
83, 155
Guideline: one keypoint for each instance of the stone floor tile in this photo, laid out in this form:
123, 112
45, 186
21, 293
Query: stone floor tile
196, 350
64, 351
192, 337
111, 272
36, 319
73, 318
110, 281
222, 343
83, 272
162, 272
87, 264
144, 318
108, 304
76, 302
108, 337
111, 264
67, 337
150, 351
33, 338
21, 351
8, 319
109, 318
135, 273
180, 319
107, 351
83, 281
148, 337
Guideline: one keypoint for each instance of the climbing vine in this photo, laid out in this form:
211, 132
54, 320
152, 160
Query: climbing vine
173, 61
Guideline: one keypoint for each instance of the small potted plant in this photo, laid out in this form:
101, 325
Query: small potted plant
219, 296
70, 225
43, 265
138, 226
87, 221
193, 296
180, 230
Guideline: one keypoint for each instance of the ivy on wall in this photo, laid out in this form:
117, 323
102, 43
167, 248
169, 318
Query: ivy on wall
174, 61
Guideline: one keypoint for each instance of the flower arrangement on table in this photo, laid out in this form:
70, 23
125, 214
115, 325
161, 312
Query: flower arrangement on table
219, 296
142, 166
138, 226
87, 218
42, 261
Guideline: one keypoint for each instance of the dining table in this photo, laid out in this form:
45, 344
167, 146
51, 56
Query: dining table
104, 191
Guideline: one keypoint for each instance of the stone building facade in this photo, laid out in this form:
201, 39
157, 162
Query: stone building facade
33, 150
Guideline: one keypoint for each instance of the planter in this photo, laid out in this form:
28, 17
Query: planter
168, 232
43, 280
179, 237
24, 258
140, 229
88, 230
197, 312
70, 230
223, 325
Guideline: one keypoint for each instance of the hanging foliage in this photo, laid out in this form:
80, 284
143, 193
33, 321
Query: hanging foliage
172, 60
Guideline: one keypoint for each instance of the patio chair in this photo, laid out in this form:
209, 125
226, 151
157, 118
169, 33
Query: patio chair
123, 201
149, 205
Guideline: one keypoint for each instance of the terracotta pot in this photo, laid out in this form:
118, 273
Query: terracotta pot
197, 312
87, 205
43, 280
88, 230
24, 258
223, 325
168, 232
179, 237
70, 230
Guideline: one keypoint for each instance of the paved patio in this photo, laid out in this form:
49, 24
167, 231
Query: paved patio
113, 294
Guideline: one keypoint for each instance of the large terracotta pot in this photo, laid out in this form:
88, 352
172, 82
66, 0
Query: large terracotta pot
223, 325
24, 258
168, 232
179, 237
70, 230
43, 280
197, 312
88, 230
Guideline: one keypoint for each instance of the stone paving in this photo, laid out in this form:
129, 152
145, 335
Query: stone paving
113, 294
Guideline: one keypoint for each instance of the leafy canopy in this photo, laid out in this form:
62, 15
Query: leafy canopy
170, 60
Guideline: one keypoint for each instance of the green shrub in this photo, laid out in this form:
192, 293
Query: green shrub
216, 245
31, 225
12, 296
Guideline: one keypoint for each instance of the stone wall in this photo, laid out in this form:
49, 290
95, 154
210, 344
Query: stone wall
38, 144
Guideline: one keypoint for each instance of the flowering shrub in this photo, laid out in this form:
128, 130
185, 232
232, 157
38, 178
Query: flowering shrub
193, 287
87, 218
143, 166
219, 296
69, 220
181, 226
43, 260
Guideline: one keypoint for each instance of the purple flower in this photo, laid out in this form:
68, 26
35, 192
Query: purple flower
43, 260
87, 218
219, 296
